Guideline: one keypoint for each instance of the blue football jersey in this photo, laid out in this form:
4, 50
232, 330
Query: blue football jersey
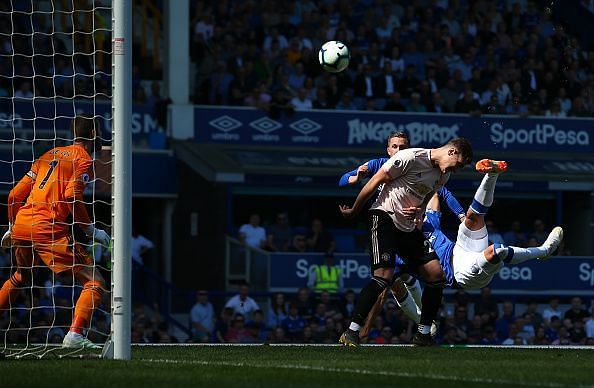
443, 246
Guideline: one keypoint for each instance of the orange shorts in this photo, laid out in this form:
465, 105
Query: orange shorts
61, 255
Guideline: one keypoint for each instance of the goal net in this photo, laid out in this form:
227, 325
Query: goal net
55, 64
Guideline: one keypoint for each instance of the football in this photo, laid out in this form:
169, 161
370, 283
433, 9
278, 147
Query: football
334, 56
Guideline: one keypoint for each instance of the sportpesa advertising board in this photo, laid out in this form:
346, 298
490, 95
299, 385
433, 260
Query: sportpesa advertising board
331, 128
557, 275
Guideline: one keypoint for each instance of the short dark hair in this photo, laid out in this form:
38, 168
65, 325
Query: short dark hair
85, 127
400, 134
464, 148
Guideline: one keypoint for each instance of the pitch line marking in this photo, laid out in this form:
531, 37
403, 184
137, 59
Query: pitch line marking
360, 371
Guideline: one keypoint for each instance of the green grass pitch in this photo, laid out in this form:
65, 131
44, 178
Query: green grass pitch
310, 366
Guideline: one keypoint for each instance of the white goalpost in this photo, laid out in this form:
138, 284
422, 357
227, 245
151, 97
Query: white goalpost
60, 59
122, 177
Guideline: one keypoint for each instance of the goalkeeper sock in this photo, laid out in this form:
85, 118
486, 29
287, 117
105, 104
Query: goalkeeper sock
483, 198
9, 290
89, 299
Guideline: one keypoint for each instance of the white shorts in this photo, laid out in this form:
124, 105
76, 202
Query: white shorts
471, 268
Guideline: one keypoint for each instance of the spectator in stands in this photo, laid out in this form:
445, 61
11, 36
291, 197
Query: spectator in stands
252, 234
579, 109
415, 104
489, 336
539, 232
279, 234
468, 104
304, 303
409, 83
326, 276
322, 101
242, 303
562, 337
535, 318
223, 324
437, 104
461, 319
331, 303
299, 244
449, 94
577, 334
347, 305
562, 250
277, 310
140, 245
386, 81
319, 239
552, 310
257, 326
238, 333
513, 337
486, 305
281, 105
394, 104
202, 317
590, 325
301, 101
277, 336
516, 107
293, 324
525, 328
346, 102
219, 85
515, 236
459, 335
258, 97
503, 323
576, 312
494, 235
475, 331
493, 107
540, 337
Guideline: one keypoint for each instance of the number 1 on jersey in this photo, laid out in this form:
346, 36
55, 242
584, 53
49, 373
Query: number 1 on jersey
53, 165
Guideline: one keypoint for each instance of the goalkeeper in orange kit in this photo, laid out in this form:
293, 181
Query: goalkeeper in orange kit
38, 208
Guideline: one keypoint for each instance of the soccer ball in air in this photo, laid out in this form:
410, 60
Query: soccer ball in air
334, 56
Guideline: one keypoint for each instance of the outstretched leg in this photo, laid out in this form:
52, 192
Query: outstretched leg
517, 255
23, 252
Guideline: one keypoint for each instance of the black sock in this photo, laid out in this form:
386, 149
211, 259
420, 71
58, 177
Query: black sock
431, 302
367, 299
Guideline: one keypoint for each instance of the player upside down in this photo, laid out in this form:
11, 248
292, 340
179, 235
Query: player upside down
470, 262
52, 190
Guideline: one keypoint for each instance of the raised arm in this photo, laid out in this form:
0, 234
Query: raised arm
369, 168
382, 176
452, 202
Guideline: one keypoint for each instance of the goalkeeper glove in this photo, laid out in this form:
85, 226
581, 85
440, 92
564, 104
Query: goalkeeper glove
98, 235
7, 239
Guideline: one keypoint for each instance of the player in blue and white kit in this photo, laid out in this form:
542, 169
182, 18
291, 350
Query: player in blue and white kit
406, 289
470, 262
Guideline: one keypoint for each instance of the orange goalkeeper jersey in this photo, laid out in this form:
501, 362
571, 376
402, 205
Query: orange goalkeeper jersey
56, 180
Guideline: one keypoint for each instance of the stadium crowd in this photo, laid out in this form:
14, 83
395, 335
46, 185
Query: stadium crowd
277, 234
320, 318
500, 57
